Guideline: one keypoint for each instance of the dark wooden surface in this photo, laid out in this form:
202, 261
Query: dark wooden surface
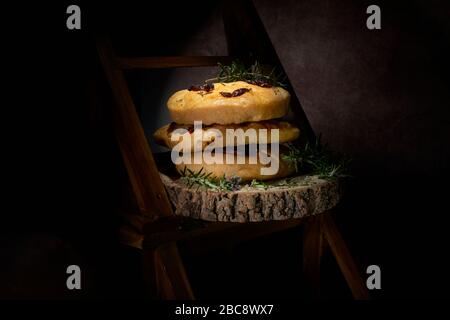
344, 259
203, 236
172, 280
313, 247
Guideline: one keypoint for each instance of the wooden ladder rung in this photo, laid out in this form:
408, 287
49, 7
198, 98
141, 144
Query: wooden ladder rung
170, 62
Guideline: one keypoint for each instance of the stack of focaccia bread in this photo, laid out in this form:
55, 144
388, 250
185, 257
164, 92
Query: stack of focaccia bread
234, 105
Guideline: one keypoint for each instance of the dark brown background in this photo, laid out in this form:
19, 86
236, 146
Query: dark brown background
380, 96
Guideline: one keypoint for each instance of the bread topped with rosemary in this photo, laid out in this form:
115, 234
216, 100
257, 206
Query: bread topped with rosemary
245, 101
228, 103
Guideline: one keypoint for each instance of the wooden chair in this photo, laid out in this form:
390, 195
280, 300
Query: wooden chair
155, 228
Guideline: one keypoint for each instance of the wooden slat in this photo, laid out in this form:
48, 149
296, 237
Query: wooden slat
142, 171
165, 261
313, 247
212, 235
149, 273
236, 234
130, 237
172, 281
344, 259
169, 229
170, 62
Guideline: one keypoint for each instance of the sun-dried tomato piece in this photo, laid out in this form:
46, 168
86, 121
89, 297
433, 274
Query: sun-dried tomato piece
205, 87
260, 83
235, 93
226, 94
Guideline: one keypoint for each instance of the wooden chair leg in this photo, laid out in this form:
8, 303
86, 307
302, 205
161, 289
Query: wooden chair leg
172, 282
149, 274
344, 259
313, 247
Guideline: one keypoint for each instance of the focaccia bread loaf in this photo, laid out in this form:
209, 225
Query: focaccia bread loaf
245, 171
287, 132
256, 104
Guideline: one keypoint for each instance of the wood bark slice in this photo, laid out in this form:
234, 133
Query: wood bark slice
294, 197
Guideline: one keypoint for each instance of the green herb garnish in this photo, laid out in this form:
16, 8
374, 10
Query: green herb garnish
207, 180
259, 184
292, 182
255, 74
318, 160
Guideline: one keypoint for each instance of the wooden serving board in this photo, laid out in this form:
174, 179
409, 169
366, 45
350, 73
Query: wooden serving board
295, 197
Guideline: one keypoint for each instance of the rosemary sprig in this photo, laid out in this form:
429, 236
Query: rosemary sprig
237, 71
207, 180
295, 181
259, 184
229, 184
318, 160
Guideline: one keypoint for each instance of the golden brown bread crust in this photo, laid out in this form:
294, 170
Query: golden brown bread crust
287, 132
258, 104
246, 172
